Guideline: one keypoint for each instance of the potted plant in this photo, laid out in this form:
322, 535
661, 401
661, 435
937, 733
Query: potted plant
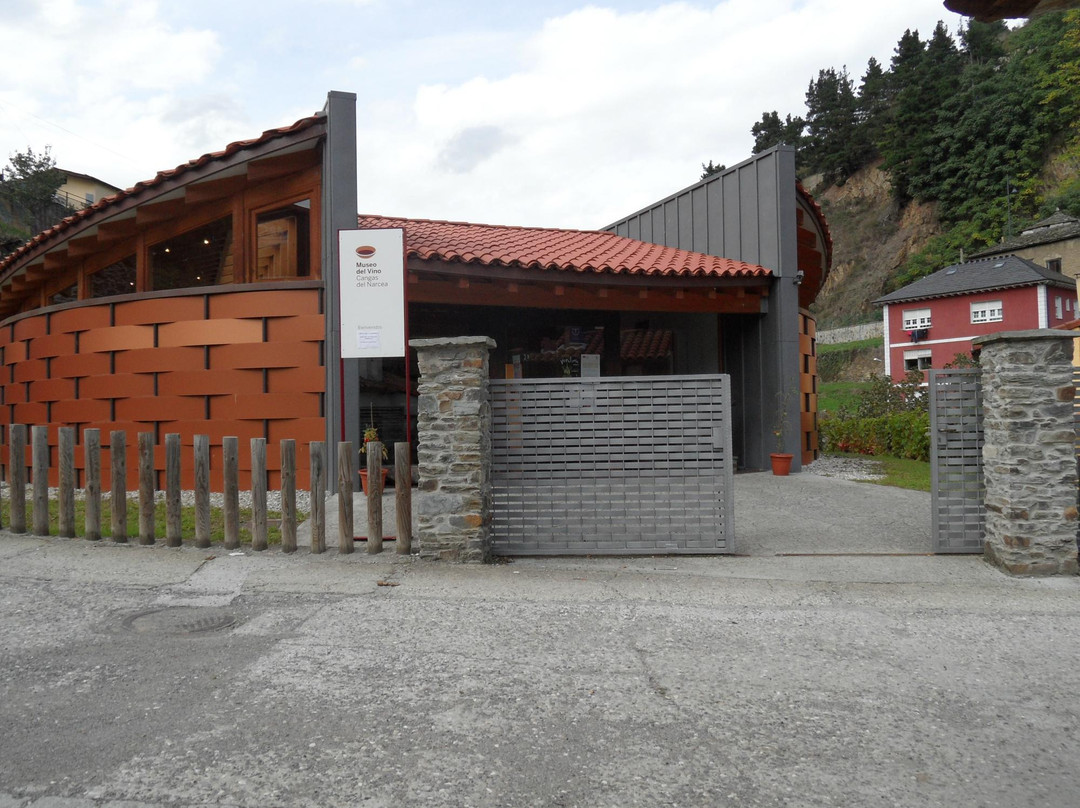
781, 460
371, 435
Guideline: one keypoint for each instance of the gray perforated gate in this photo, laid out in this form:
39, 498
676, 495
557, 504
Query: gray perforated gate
616, 466
957, 492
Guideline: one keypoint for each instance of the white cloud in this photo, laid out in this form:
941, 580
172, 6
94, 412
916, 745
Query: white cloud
99, 79
610, 111
572, 122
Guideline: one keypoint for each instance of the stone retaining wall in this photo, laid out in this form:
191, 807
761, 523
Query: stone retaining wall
851, 333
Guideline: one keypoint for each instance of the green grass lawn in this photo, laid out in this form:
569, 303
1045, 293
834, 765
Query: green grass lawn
873, 342
187, 520
833, 395
899, 473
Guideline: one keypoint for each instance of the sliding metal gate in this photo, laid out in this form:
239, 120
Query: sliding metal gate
957, 491
615, 466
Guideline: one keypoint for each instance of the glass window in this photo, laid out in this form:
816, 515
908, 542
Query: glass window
201, 257
282, 242
1057, 308
917, 360
115, 279
916, 318
986, 311
1054, 264
68, 295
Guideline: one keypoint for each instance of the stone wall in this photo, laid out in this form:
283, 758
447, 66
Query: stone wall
453, 448
1029, 460
851, 333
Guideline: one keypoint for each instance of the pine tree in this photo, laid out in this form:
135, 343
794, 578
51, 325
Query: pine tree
771, 131
872, 108
834, 144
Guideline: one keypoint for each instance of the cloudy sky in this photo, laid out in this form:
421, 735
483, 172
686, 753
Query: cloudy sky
555, 113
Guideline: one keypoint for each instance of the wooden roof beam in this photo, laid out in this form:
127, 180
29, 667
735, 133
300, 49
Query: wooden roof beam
214, 189
273, 167
78, 247
547, 296
159, 212
117, 229
53, 261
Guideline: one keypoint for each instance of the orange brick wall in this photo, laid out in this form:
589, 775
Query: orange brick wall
808, 385
246, 362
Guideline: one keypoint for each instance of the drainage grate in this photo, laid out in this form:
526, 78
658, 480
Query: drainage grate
180, 621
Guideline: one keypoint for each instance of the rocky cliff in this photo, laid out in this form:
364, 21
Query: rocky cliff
872, 237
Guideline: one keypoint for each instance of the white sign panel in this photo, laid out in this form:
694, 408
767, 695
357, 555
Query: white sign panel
372, 278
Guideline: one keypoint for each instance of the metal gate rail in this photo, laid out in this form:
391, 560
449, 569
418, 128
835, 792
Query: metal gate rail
615, 466
957, 491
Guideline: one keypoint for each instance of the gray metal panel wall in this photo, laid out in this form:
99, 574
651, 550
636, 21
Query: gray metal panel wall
748, 214
736, 214
617, 466
957, 490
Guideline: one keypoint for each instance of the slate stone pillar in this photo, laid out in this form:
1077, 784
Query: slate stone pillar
1029, 455
454, 448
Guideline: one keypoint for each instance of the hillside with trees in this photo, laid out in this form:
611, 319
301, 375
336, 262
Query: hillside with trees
955, 144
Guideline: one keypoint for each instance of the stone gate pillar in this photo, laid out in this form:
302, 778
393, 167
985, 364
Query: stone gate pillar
1029, 455
454, 448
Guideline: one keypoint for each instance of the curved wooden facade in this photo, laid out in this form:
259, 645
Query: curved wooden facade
223, 361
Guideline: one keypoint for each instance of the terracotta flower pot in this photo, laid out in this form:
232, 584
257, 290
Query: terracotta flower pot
364, 481
781, 464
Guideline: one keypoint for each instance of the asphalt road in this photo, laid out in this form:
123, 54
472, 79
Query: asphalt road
136, 676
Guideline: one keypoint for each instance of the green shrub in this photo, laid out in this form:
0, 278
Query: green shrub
902, 434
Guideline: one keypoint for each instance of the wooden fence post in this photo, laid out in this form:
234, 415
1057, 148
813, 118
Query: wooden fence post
173, 528
345, 494
374, 497
202, 490
118, 490
288, 496
65, 453
39, 437
17, 477
258, 493
230, 455
317, 484
92, 448
403, 496
146, 488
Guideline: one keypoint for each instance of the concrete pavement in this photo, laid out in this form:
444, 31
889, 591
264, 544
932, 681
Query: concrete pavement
137, 676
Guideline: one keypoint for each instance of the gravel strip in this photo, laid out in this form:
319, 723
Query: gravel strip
846, 468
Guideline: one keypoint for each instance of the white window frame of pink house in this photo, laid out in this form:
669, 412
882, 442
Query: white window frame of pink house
986, 311
917, 356
915, 319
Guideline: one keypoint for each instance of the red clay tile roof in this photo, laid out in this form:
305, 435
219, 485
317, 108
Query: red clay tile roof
641, 345
559, 250
104, 203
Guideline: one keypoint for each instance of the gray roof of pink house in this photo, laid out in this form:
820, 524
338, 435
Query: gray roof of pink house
982, 275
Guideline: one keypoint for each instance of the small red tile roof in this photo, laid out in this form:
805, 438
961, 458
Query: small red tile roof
640, 345
103, 204
580, 251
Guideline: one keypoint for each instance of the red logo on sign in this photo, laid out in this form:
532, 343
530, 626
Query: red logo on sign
365, 251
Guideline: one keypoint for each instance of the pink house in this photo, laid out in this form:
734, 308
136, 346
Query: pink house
930, 321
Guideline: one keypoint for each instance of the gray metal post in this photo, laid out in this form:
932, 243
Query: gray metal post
338, 213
